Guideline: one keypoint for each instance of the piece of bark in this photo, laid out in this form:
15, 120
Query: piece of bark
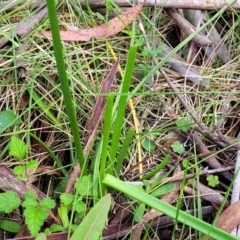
20, 62
124, 211
197, 4
228, 220
8, 181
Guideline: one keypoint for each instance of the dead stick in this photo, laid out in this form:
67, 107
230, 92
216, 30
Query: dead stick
188, 4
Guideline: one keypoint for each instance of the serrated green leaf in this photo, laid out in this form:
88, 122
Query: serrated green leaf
80, 207
8, 119
47, 203
183, 124
84, 185
66, 198
34, 218
138, 214
32, 164
30, 200
9, 201
18, 148
148, 145
18, 170
177, 147
166, 188
92, 225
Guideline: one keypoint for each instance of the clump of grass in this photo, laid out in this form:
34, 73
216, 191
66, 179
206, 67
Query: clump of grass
54, 112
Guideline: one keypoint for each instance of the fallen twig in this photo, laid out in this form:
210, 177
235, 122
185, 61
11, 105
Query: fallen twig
187, 28
197, 4
25, 27
179, 177
207, 193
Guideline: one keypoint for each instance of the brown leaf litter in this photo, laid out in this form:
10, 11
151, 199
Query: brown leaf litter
102, 31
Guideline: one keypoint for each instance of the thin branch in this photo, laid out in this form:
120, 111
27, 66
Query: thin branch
179, 177
188, 28
188, 4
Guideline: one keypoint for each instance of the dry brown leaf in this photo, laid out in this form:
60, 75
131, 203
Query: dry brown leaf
229, 219
152, 213
102, 31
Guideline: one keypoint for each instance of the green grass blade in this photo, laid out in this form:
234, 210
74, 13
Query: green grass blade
45, 109
122, 104
167, 209
123, 150
52, 13
92, 225
106, 134
157, 168
57, 161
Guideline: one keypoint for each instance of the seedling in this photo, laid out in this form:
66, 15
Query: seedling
19, 149
212, 180
34, 212
83, 188
177, 147
183, 124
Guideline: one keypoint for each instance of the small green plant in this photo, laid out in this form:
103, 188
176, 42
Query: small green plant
34, 212
8, 119
183, 124
177, 147
212, 180
149, 144
154, 52
19, 149
83, 188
